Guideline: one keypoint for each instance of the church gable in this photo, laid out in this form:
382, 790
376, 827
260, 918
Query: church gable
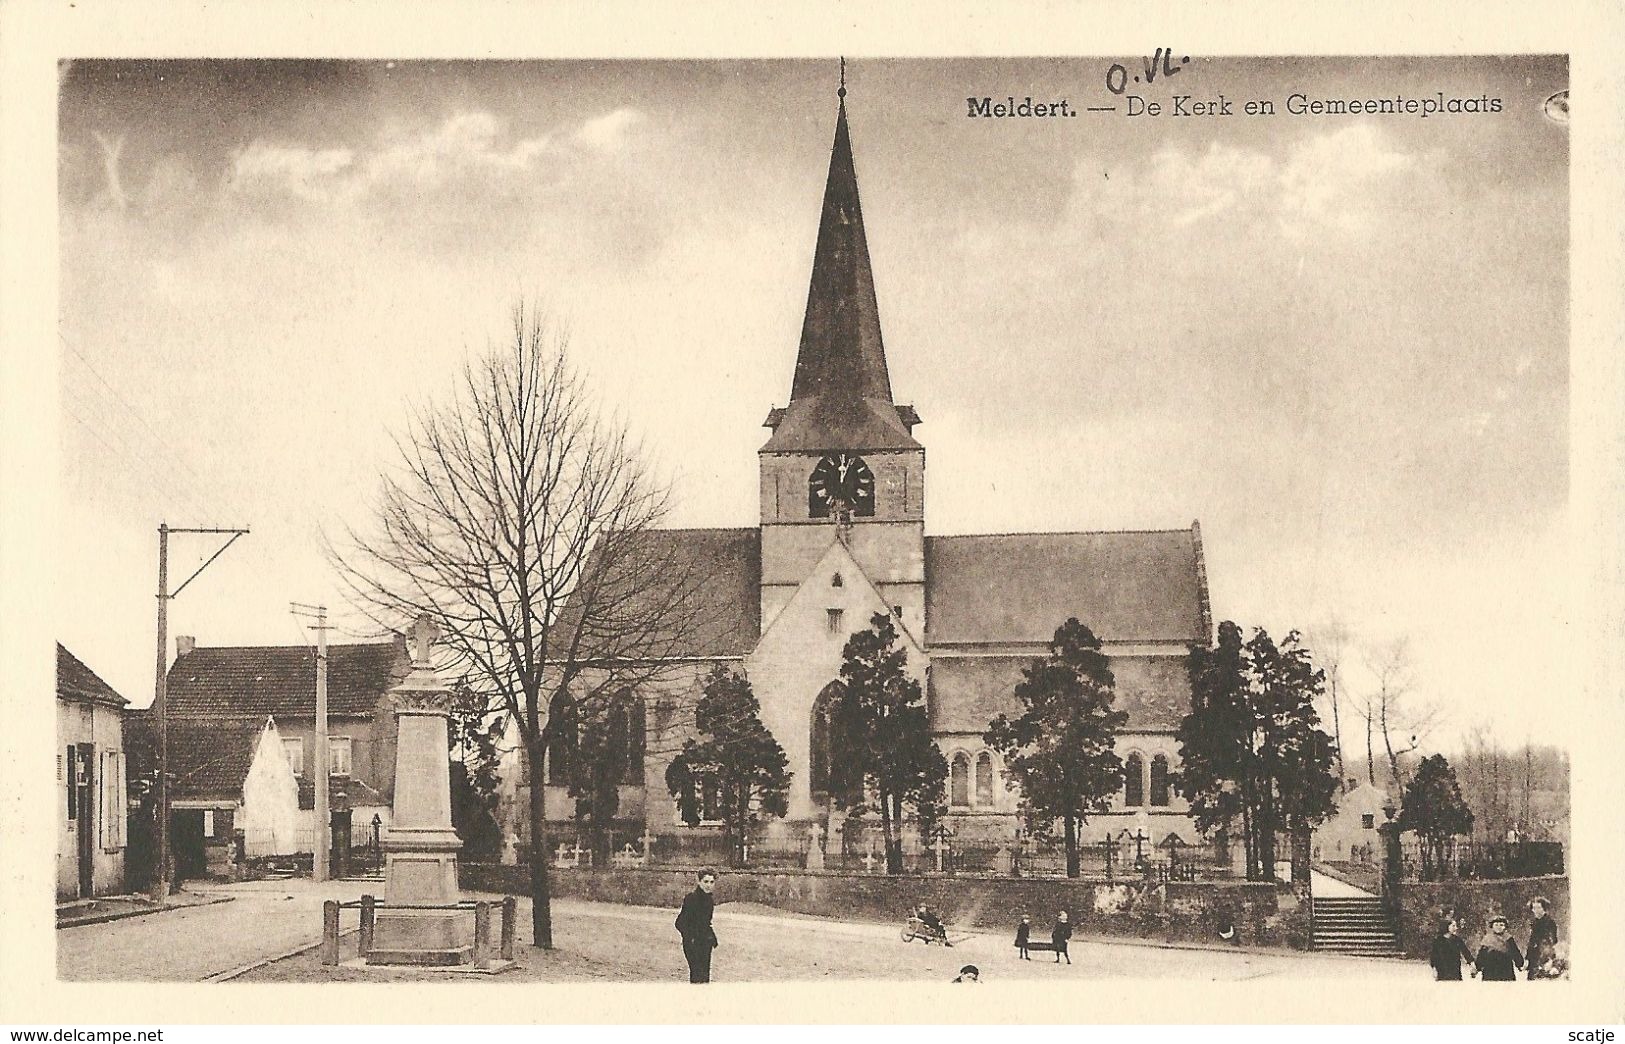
836, 598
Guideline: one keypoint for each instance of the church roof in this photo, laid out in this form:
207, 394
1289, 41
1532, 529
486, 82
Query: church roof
725, 616
841, 395
280, 680
966, 692
1016, 588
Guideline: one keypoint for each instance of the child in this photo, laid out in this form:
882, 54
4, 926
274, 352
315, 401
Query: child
1023, 935
1059, 935
969, 973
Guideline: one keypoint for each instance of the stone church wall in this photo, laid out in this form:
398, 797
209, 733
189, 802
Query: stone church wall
1263, 914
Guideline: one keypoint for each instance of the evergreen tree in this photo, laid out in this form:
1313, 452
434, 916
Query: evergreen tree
888, 759
737, 755
604, 749
1215, 741
1060, 749
472, 731
1433, 808
1251, 747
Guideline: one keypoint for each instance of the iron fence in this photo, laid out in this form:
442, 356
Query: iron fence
1466, 858
861, 848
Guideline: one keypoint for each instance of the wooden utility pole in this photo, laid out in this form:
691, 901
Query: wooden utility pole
163, 881
319, 862
160, 880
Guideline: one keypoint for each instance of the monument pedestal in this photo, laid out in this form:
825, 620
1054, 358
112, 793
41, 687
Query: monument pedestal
420, 847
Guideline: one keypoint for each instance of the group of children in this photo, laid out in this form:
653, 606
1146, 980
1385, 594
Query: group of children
1058, 938
1498, 958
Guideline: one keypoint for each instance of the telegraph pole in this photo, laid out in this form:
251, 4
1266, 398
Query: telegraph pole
163, 881
319, 867
160, 880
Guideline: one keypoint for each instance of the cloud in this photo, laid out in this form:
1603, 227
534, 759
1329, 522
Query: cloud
311, 174
1325, 179
465, 145
607, 133
1331, 182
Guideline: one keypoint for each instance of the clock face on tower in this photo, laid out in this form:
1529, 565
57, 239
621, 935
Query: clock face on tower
841, 481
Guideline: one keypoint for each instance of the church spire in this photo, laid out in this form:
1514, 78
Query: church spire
841, 395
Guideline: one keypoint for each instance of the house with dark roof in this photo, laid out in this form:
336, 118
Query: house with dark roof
92, 792
219, 699
842, 535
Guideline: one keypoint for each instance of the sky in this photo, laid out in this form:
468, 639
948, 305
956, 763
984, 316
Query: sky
1340, 341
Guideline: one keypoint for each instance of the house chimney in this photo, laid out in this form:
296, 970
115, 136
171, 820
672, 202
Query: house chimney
184, 643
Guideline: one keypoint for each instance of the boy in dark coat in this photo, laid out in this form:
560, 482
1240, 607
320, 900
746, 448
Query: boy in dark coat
1498, 955
1542, 937
694, 925
1059, 935
1024, 935
1449, 951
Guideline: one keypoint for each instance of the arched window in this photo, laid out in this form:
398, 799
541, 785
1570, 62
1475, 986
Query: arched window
1134, 781
984, 779
563, 741
959, 781
1159, 780
823, 716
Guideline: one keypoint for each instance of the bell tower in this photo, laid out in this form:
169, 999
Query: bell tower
842, 462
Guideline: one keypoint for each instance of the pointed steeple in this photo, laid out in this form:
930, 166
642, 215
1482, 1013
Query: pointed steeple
841, 395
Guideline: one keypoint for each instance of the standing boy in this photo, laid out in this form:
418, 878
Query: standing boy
694, 925
1024, 935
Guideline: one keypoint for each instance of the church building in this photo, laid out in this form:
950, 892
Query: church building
843, 535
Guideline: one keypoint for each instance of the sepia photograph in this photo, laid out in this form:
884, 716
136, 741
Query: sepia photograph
485, 527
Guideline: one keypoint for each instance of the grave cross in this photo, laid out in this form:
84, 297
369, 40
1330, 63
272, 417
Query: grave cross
648, 845
869, 861
815, 833
1110, 848
1140, 839
939, 844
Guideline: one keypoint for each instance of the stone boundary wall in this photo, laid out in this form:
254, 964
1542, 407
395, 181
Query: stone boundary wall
1421, 906
1262, 914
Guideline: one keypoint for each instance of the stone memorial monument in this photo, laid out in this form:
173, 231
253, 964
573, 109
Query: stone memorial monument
420, 846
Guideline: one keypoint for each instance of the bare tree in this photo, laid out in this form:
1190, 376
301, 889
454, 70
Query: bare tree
523, 520
1393, 709
1330, 642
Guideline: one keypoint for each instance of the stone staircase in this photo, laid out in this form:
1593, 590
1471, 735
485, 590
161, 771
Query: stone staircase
1355, 926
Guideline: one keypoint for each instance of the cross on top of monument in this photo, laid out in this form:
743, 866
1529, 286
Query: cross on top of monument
425, 632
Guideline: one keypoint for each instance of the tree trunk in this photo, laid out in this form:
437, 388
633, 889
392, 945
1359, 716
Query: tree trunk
1337, 737
894, 845
541, 908
1370, 753
1072, 869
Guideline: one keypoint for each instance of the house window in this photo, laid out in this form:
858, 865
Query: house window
1134, 781
836, 581
208, 822
1368, 821
295, 750
834, 620
984, 779
959, 782
1159, 780
338, 756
